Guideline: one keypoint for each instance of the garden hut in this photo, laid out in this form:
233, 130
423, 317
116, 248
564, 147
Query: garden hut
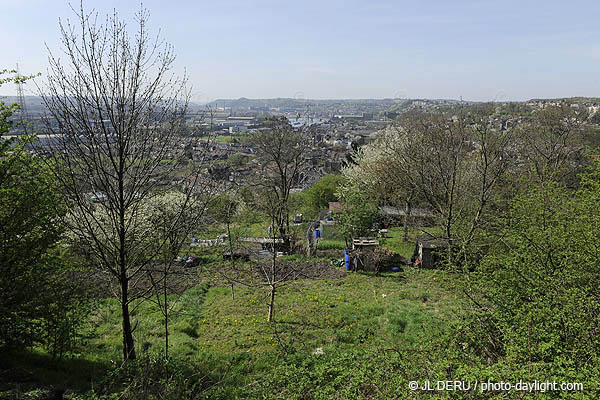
429, 251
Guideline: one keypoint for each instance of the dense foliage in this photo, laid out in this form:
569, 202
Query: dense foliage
36, 306
536, 292
318, 196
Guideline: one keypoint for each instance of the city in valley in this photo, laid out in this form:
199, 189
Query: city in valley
162, 237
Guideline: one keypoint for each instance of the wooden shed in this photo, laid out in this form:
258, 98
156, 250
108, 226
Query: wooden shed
430, 251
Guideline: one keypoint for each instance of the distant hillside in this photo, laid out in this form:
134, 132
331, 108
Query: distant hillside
291, 102
569, 100
34, 104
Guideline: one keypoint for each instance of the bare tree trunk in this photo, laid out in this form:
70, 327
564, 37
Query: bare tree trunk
230, 239
165, 312
166, 322
128, 345
407, 219
271, 303
272, 278
166, 305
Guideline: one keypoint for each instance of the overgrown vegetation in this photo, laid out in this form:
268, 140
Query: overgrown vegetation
330, 332
40, 304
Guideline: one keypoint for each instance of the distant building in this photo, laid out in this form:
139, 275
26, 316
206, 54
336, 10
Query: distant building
242, 119
353, 116
237, 129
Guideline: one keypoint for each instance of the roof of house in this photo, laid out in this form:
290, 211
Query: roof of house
429, 241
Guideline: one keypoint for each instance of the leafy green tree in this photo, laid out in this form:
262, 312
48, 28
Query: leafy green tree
536, 293
357, 217
7, 110
321, 193
32, 280
237, 160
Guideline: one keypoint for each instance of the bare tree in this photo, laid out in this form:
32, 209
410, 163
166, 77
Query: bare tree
439, 163
459, 161
225, 208
270, 273
487, 166
117, 115
550, 144
171, 223
281, 152
451, 163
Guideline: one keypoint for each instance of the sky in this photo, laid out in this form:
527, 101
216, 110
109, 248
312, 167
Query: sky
337, 49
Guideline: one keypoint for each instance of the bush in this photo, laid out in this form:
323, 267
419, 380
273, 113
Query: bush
536, 293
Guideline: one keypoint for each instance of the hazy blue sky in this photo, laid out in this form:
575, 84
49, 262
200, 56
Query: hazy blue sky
480, 50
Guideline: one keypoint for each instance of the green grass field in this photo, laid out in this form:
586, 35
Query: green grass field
329, 337
222, 138
360, 336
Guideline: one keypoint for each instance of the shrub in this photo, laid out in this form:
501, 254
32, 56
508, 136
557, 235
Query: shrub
536, 293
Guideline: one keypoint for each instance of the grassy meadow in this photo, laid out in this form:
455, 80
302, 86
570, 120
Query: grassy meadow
328, 338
